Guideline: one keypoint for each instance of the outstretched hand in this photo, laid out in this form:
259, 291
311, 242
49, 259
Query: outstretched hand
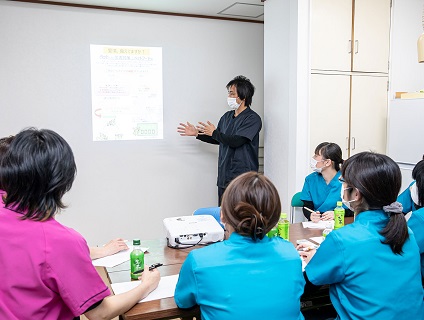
187, 129
206, 128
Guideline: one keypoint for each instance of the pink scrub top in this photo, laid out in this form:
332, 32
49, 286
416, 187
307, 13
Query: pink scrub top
46, 270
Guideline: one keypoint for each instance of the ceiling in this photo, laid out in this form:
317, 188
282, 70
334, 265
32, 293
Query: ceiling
225, 9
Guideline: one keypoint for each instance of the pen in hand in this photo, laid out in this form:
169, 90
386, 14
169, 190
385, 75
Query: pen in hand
153, 266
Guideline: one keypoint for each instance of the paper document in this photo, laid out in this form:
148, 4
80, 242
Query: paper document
319, 225
318, 240
165, 289
115, 259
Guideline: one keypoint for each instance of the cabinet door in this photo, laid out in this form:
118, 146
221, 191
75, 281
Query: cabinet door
368, 114
371, 35
331, 31
329, 110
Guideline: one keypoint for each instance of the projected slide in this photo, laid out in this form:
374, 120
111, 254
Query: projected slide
126, 85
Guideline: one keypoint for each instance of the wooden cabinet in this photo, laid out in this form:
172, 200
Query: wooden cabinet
350, 111
350, 35
349, 74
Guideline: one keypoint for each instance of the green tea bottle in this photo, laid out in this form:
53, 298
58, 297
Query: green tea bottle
283, 227
136, 260
339, 213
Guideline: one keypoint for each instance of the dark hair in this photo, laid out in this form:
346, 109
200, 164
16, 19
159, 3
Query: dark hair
36, 171
378, 178
245, 89
330, 151
4, 146
418, 176
251, 205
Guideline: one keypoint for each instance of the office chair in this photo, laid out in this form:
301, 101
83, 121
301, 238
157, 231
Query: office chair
295, 203
213, 211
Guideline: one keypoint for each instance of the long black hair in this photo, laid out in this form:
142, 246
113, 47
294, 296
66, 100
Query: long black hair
331, 151
418, 176
378, 179
36, 171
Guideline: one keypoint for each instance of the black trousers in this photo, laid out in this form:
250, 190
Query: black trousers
220, 193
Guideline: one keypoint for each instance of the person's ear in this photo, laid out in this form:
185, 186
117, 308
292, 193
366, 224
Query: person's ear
356, 195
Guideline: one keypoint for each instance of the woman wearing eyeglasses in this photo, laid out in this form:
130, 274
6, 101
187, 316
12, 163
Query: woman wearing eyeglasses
373, 264
321, 189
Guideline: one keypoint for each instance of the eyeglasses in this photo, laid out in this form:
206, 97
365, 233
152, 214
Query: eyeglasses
341, 180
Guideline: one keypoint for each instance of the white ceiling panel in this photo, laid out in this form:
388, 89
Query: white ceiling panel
246, 9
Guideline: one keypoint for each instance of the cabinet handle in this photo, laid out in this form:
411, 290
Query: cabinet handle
347, 144
353, 143
356, 46
349, 48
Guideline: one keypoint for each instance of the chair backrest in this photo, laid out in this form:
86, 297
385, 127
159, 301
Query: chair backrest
213, 211
295, 201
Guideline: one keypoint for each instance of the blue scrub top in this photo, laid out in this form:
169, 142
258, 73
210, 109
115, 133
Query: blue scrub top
405, 199
416, 224
367, 280
242, 279
323, 196
234, 161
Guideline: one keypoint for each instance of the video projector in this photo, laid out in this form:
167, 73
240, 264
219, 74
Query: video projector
187, 231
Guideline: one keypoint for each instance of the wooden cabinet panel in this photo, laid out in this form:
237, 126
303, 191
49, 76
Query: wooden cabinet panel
350, 35
368, 130
371, 36
329, 110
331, 30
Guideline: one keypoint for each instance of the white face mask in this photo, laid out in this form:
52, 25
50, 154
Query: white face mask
414, 193
313, 165
232, 103
346, 202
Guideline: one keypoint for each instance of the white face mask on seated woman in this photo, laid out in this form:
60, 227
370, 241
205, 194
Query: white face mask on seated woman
414, 194
346, 202
313, 165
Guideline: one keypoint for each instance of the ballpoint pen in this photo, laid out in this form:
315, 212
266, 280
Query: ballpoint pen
153, 266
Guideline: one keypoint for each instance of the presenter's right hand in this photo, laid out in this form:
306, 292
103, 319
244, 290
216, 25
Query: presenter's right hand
187, 129
315, 216
150, 279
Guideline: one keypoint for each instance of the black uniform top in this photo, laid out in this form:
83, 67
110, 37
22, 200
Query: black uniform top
238, 139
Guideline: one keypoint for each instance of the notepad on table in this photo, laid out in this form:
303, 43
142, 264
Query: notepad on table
165, 289
115, 259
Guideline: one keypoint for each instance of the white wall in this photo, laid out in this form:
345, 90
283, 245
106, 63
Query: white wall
286, 74
405, 117
124, 188
406, 74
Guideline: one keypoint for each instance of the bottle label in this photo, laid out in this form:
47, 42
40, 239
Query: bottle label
339, 218
137, 263
283, 230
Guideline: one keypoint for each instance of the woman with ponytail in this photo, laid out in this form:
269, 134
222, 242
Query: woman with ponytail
321, 189
247, 276
373, 264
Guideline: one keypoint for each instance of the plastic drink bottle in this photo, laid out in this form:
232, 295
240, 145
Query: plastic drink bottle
339, 213
136, 260
273, 232
283, 227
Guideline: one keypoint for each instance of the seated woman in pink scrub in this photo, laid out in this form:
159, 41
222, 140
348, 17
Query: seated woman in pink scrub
46, 267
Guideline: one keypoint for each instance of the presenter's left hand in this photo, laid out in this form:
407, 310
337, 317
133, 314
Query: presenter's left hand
206, 128
328, 215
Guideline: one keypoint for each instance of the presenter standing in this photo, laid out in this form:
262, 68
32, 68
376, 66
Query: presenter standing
237, 134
